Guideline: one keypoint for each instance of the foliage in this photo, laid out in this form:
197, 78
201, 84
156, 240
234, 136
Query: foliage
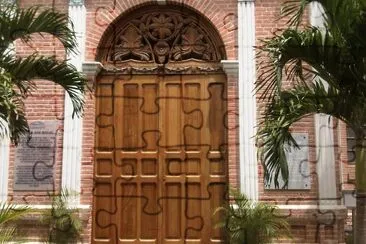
63, 220
246, 221
8, 213
18, 74
333, 57
326, 66
349, 238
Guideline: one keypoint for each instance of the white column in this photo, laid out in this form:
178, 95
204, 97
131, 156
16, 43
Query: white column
324, 138
247, 99
72, 141
4, 168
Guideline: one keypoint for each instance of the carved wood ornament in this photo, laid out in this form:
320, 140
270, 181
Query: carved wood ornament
162, 40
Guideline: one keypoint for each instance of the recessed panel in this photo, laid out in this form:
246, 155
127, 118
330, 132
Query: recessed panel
130, 117
149, 211
128, 211
217, 192
103, 210
173, 113
129, 167
193, 117
150, 113
194, 217
193, 166
174, 167
104, 119
104, 167
172, 212
148, 166
217, 167
216, 115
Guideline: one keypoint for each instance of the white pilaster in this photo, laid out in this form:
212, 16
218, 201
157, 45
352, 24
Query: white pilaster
327, 187
4, 168
72, 141
247, 99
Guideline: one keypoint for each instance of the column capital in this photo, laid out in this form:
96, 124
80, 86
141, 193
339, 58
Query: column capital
76, 2
231, 67
91, 69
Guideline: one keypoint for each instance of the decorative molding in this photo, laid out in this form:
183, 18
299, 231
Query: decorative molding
247, 100
349, 199
49, 206
92, 69
72, 138
4, 166
310, 206
324, 140
76, 2
161, 37
231, 67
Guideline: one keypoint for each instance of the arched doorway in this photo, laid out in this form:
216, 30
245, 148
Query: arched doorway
161, 138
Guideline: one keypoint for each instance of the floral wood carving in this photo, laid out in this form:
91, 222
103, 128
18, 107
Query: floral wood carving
162, 38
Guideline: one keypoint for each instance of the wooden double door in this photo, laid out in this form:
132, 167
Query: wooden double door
160, 158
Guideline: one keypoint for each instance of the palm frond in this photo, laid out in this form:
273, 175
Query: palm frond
6, 234
13, 123
344, 19
302, 54
17, 23
339, 14
25, 70
9, 212
286, 109
295, 9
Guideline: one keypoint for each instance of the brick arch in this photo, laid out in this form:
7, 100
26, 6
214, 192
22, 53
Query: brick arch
221, 15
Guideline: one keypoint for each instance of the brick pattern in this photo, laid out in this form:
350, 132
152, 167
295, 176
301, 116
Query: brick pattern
233, 131
47, 103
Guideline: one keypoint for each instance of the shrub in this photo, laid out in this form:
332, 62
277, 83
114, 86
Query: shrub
251, 222
64, 223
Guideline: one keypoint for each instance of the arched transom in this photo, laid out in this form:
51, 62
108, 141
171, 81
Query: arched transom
162, 38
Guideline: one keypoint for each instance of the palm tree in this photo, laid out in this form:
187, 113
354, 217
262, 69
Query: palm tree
334, 58
17, 74
251, 222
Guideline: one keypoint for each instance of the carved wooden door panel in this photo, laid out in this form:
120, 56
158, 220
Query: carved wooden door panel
160, 158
